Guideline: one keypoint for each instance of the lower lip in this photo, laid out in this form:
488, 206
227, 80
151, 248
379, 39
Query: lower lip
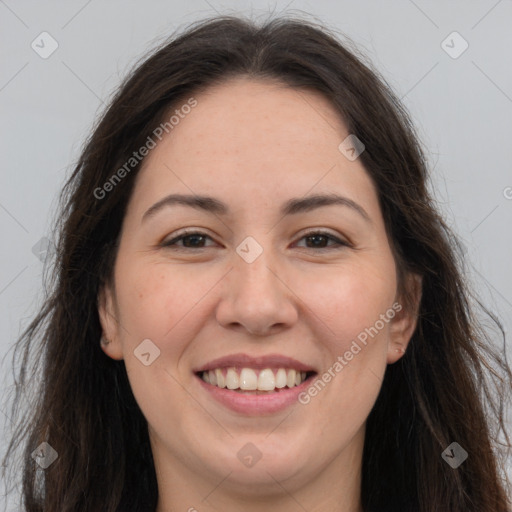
256, 405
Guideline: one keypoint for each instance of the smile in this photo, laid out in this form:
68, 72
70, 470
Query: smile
249, 379
254, 385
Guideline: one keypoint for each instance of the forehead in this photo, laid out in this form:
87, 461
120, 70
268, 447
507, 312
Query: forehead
248, 138
242, 117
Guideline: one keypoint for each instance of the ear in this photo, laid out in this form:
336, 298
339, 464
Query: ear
404, 322
109, 323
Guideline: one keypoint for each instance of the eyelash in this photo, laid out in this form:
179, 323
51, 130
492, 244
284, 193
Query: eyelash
172, 243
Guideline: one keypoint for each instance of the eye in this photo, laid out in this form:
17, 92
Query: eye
197, 239
190, 239
319, 237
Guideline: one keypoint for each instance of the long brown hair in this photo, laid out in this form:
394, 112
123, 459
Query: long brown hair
449, 387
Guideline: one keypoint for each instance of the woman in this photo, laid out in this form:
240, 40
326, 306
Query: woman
257, 306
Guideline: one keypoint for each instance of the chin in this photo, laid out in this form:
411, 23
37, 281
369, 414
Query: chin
261, 463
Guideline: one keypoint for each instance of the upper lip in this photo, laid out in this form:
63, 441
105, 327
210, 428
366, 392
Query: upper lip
256, 362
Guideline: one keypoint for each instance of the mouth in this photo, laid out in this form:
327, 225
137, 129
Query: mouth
254, 386
254, 381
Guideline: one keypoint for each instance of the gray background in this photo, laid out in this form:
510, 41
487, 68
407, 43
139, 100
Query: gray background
462, 108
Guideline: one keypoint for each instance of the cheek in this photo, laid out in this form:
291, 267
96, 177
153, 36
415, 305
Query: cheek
163, 303
154, 301
158, 305
351, 299
352, 306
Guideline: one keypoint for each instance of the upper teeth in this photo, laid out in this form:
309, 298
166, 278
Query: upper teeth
248, 379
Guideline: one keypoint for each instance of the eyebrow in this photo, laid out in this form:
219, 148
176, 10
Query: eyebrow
290, 207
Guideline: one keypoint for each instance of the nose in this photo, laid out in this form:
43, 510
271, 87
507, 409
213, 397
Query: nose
256, 297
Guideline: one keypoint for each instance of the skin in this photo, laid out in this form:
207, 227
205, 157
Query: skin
254, 145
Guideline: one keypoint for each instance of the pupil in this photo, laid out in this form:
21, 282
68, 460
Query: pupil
316, 237
188, 237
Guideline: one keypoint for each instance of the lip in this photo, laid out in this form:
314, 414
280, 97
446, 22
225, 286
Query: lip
251, 404
256, 362
256, 405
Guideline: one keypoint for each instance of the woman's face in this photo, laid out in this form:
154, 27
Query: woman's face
257, 295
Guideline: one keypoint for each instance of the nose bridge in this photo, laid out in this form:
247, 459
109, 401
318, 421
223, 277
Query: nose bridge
256, 297
253, 270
